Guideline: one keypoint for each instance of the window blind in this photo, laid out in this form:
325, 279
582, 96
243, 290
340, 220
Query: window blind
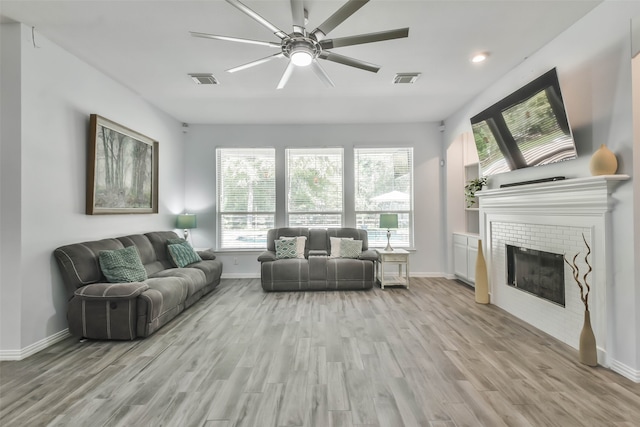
246, 190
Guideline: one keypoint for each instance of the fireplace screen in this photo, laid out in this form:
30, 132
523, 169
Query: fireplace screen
537, 272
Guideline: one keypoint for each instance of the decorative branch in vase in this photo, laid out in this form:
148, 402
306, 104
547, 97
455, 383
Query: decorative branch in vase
588, 352
471, 188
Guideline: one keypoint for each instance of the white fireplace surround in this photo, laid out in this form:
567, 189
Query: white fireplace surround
553, 217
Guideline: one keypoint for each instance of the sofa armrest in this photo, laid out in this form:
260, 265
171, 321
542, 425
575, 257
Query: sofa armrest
318, 252
267, 256
206, 255
111, 291
369, 254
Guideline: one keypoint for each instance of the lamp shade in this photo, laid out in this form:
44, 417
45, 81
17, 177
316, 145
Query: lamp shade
388, 221
186, 221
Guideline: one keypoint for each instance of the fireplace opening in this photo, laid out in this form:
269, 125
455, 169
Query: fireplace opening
536, 272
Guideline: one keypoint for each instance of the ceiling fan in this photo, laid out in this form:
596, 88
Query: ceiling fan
304, 48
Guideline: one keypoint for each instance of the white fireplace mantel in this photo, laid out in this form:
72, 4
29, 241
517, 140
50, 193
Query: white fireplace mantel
554, 216
590, 194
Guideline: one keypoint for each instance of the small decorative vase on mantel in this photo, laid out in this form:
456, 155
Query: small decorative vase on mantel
587, 350
603, 162
482, 279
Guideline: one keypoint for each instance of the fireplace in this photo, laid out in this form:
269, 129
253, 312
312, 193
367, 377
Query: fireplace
553, 217
537, 272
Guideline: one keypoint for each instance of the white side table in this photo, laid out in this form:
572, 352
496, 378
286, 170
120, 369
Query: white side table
396, 256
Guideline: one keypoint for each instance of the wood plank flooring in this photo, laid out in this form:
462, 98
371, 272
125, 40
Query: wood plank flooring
423, 356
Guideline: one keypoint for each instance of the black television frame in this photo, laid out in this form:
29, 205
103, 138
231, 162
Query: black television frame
496, 123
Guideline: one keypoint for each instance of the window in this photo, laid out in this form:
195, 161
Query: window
246, 188
314, 187
384, 184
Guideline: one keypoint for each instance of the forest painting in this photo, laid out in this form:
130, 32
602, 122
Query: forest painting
122, 170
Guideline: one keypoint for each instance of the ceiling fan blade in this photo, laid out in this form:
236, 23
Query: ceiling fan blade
285, 77
352, 62
365, 38
251, 13
297, 12
338, 17
321, 73
254, 63
234, 39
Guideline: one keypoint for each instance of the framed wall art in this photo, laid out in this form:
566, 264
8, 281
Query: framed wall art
122, 170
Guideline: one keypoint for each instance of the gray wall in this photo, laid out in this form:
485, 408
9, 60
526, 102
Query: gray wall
594, 67
47, 97
202, 141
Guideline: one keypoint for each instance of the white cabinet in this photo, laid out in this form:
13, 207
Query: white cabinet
465, 252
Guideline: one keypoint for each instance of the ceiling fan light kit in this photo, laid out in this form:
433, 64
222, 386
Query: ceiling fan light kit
303, 49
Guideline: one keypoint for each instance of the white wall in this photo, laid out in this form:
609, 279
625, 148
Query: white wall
594, 68
636, 162
10, 296
46, 199
425, 139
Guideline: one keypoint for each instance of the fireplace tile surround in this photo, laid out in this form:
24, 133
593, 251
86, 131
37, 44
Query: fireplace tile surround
552, 217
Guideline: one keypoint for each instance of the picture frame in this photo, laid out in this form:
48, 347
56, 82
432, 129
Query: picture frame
122, 170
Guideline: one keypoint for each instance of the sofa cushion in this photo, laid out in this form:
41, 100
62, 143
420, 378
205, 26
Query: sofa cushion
182, 254
122, 265
350, 248
159, 241
212, 269
286, 249
192, 279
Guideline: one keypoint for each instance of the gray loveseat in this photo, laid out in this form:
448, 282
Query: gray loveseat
124, 311
317, 269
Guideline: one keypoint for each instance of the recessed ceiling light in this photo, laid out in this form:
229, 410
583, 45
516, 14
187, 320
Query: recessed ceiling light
479, 57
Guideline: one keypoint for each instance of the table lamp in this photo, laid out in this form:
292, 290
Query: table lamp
186, 221
388, 221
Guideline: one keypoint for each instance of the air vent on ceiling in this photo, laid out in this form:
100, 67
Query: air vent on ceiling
204, 79
406, 78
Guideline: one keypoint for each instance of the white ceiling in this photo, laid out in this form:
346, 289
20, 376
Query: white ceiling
146, 46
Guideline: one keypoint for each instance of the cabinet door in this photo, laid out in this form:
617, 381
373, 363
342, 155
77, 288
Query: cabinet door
460, 260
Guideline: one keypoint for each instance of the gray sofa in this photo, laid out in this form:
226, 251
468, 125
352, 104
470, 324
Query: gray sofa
125, 311
317, 270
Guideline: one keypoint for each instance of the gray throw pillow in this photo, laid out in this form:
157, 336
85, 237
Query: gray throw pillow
122, 265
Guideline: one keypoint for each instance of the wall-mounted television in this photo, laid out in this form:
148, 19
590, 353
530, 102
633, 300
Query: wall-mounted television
527, 128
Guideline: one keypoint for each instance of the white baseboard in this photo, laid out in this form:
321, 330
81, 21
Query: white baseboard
35, 347
625, 371
427, 274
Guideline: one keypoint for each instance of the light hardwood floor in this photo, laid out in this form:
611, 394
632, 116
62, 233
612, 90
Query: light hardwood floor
423, 356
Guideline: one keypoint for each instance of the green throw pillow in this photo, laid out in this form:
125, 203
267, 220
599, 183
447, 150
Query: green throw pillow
350, 248
122, 265
183, 254
286, 249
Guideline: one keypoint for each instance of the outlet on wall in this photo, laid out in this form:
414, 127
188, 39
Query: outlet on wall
235, 260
